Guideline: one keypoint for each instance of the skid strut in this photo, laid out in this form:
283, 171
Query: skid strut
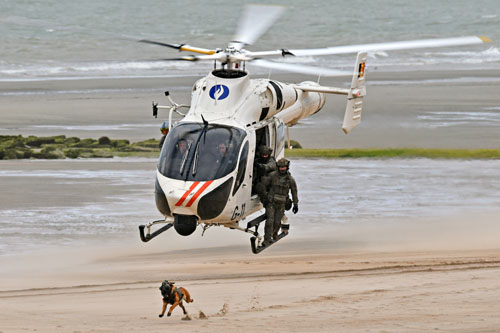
148, 236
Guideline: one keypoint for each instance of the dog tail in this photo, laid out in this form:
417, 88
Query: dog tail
187, 295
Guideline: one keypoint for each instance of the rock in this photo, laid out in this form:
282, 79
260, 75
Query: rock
104, 140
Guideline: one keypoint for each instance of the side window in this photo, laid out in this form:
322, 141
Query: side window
240, 176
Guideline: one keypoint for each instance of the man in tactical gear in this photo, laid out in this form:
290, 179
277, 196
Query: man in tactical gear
264, 163
279, 184
263, 166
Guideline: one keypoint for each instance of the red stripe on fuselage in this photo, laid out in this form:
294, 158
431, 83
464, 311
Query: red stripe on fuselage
199, 192
185, 195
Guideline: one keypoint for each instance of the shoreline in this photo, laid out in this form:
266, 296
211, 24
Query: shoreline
402, 109
61, 147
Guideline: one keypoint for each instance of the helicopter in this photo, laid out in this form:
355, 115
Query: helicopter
205, 169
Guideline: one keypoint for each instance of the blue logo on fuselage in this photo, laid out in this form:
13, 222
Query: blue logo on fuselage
218, 92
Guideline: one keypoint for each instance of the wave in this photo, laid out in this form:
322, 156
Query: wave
404, 61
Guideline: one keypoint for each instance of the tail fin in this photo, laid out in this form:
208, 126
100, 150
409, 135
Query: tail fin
352, 116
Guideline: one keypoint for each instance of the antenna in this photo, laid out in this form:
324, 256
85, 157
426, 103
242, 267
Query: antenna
204, 121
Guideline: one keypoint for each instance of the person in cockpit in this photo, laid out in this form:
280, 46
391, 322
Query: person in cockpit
221, 152
182, 146
178, 157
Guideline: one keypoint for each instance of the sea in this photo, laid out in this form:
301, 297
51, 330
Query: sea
54, 39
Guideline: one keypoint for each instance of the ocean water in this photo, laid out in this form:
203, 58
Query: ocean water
58, 39
111, 197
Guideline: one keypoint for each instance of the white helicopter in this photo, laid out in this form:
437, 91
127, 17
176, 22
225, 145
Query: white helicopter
205, 170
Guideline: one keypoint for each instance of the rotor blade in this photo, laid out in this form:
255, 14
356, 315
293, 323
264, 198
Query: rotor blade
180, 47
299, 68
216, 56
255, 21
412, 44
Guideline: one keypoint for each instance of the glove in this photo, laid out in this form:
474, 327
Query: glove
295, 208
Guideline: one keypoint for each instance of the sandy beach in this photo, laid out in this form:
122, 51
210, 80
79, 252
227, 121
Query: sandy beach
358, 280
394, 274
398, 275
378, 245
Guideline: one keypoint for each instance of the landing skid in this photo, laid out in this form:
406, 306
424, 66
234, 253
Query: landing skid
255, 241
259, 248
149, 236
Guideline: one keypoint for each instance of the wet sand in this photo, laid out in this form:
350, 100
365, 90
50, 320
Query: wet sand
396, 109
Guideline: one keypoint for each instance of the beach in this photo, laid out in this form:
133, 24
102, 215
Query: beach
416, 258
404, 256
428, 109
378, 245
356, 280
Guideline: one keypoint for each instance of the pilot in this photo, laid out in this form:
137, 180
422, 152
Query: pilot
178, 155
221, 152
279, 183
182, 146
164, 131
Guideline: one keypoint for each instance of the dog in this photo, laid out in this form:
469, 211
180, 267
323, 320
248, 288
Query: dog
173, 295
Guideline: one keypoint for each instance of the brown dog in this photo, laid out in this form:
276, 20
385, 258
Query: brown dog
173, 295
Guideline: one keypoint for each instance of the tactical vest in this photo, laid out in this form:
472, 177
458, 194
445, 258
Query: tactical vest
280, 186
179, 293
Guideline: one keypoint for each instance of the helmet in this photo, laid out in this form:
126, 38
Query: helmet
264, 150
164, 127
283, 162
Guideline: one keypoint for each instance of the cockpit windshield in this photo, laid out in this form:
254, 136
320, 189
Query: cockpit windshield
197, 151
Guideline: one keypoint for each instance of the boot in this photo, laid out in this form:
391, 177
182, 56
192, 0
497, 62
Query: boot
267, 241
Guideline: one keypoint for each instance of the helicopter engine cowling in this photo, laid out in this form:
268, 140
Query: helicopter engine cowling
277, 97
307, 103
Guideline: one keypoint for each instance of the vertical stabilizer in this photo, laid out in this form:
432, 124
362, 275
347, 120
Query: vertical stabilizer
354, 107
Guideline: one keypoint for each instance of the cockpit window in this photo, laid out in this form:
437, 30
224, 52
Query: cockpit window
197, 151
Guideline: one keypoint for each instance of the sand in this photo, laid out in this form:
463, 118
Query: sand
397, 277
412, 275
